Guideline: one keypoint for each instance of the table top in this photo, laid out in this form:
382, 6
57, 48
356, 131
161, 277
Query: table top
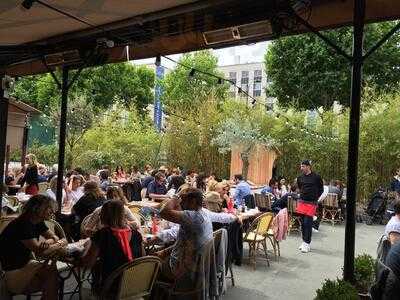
251, 213
145, 203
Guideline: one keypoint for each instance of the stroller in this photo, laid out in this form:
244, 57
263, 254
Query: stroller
376, 209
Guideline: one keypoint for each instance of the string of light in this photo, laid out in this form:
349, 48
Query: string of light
192, 72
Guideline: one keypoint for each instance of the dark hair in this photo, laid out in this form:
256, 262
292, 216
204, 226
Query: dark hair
238, 177
194, 194
33, 205
396, 207
271, 182
119, 167
115, 192
159, 175
105, 167
3, 188
135, 169
80, 171
103, 175
93, 188
200, 181
113, 214
191, 171
176, 182
153, 173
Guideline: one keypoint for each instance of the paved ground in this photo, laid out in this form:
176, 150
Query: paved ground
296, 276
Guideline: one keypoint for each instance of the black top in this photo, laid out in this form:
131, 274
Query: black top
311, 187
31, 176
86, 205
111, 255
281, 203
13, 253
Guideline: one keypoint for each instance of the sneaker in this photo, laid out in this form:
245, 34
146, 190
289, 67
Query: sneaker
301, 246
306, 248
315, 230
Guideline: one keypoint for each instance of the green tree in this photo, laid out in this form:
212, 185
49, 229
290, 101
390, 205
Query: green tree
243, 134
306, 73
80, 117
102, 86
120, 137
183, 92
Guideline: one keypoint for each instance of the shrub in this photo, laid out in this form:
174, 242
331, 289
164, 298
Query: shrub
364, 272
336, 290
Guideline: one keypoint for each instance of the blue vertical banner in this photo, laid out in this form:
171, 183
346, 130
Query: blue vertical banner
157, 98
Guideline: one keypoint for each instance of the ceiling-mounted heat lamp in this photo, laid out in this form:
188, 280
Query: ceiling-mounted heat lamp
237, 33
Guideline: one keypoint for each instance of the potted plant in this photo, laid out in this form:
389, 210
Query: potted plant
337, 290
364, 274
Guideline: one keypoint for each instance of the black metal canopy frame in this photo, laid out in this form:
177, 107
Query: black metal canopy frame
356, 60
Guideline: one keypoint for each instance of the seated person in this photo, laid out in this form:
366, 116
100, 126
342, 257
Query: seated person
387, 285
242, 190
93, 198
194, 232
74, 188
104, 182
24, 274
392, 227
113, 245
113, 193
282, 202
157, 189
269, 188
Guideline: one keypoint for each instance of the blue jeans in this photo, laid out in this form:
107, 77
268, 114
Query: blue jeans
306, 228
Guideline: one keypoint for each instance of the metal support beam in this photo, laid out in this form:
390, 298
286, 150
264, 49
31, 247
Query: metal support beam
62, 135
3, 137
322, 37
382, 40
354, 134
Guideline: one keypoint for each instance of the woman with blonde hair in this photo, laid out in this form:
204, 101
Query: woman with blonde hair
23, 273
30, 178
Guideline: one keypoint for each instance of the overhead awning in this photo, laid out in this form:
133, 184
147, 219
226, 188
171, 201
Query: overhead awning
65, 32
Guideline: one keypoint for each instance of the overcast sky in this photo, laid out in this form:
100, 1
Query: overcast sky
247, 53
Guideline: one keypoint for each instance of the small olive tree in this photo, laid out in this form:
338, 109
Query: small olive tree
243, 135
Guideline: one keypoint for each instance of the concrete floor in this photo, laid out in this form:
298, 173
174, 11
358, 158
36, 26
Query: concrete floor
296, 276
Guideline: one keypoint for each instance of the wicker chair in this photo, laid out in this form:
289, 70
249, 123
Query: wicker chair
43, 186
135, 279
263, 202
257, 234
294, 218
331, 211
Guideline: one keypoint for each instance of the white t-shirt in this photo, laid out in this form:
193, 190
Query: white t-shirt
74, 196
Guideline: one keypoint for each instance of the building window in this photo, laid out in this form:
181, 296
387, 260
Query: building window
245, 77
244, 83
257, 93
232, 77
257, 83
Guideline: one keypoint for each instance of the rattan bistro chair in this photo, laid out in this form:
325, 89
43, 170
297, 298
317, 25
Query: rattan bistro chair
331, 211
257, 234
263, 202
294, 218
135, 279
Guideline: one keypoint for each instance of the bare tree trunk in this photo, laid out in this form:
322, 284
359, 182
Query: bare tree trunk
245, 166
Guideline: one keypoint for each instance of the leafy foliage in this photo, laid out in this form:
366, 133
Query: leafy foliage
183, 92
46, 154
242, 133
101, 86
187, 141
120, 138
307, 73
336, 290
364, 272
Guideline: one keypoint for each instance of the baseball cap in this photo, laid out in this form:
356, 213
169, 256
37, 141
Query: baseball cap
306, 162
